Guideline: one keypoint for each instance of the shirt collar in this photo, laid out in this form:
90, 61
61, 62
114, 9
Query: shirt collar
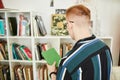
85, 39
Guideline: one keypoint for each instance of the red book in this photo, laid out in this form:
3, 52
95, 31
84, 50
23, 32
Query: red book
28, 52
1, 4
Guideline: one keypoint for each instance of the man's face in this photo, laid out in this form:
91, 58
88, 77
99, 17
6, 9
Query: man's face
70, 24
74, 23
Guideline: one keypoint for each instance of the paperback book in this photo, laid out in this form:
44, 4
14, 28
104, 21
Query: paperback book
51, 56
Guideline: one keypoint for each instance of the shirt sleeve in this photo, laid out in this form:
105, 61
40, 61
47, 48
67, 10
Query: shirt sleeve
63, 74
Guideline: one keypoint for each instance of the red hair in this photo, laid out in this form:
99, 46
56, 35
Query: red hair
78, 10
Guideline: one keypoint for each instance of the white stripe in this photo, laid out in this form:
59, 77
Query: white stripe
80, 75
63, 74
99, 64
77, 51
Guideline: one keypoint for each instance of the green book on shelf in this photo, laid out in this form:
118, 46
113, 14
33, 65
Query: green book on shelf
51, 56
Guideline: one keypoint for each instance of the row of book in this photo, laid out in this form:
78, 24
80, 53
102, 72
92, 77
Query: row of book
20, 25
21, 52
39, 47
43, 72
4, 72
3, 50
23, 72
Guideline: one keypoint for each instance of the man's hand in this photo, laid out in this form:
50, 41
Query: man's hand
52, 68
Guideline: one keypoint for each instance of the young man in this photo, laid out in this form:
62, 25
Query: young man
90, 58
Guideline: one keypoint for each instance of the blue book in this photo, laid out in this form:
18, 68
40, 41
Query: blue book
2, 28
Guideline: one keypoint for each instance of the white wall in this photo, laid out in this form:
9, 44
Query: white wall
107, 11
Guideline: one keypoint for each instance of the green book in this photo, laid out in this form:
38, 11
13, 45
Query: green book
51, 56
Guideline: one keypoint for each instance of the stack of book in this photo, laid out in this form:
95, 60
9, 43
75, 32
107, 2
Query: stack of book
23, 72
4, 72
39, 48
21, 52
3, 50
19, 26
42, 72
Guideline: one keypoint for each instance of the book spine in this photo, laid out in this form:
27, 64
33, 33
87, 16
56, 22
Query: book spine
28, 52
13, 25
40, 25
1, 56
23, 52
2, 27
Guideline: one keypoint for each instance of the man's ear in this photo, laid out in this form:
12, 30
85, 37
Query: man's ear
71, 26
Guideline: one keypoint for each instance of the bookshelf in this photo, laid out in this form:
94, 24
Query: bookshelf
30, 40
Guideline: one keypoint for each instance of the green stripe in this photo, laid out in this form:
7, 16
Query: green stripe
96, 66
86, 52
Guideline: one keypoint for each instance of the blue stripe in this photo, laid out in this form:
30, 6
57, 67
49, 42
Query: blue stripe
82, 54
80, 49
96, 65
108, 63
76, 75
60, 74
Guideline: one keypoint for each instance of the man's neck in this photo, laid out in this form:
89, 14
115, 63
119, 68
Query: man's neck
82, 34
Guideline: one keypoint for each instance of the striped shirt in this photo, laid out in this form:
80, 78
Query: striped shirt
90, 59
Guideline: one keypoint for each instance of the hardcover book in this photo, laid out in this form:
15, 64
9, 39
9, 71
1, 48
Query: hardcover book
51, 56
40, 25
26, 52
59, 25
13, 25
24, 26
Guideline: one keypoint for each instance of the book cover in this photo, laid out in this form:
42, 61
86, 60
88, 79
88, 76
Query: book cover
28, 52
38, 50
40, 25
24, 26
15, 52
22, 48
59, 25
1, 5
1, 73
20, 53
1, 56
3, 51
6, 72
13, 25
2, 27
51, 56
